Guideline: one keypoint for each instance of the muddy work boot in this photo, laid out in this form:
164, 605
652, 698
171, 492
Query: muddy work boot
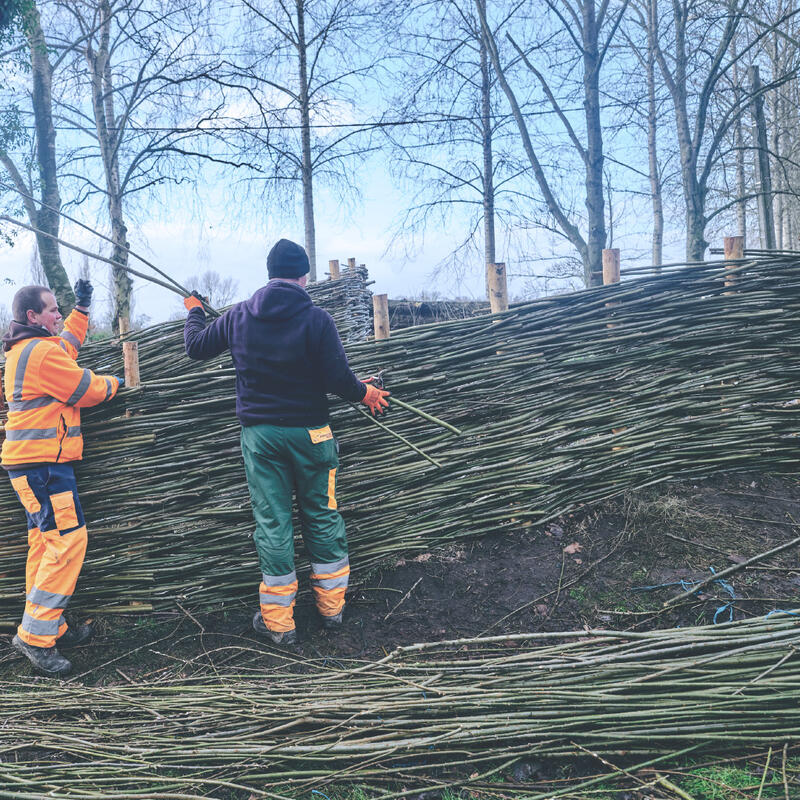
45, 659
276, 637
332, 623
75, 635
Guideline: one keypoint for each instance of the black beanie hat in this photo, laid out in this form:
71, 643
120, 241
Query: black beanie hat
287, 260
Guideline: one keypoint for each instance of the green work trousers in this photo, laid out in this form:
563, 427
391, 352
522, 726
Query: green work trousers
281, 461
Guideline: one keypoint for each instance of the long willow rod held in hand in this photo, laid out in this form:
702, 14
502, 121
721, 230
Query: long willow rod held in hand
98, 257
98, 234
399, 436
424, 414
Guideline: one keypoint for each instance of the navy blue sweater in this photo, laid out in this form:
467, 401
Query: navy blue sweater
287, 353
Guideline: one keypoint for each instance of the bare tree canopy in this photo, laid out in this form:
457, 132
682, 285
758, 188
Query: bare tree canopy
534, 134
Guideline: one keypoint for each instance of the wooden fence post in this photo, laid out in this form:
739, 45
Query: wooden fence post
380, 315
498, 287
333, 268
611, 261
610, 266
130, 355
733, 248
610, 273
351, 263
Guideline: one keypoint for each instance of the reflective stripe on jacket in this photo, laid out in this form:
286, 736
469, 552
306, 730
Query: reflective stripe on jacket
44, 389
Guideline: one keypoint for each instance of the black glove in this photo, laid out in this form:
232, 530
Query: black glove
121, 382
83, 292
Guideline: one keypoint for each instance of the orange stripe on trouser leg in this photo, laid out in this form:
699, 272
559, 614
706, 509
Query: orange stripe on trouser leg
36, 548
329, 589
58, 572
277, 605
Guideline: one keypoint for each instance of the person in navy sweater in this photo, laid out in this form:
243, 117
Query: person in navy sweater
288, 356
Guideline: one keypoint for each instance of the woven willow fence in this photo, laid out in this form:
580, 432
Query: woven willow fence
562, 402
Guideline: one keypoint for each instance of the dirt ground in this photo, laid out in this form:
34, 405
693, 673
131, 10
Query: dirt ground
594, 568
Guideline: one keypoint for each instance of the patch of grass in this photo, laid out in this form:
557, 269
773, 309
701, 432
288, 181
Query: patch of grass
652, 510
578, 594
728, 782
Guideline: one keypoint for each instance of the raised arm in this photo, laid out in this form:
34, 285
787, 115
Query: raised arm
62, 378
200, 340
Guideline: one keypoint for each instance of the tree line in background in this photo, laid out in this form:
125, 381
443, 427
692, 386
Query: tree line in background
537, 132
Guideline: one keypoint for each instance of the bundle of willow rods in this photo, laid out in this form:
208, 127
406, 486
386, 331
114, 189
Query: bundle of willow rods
427, 714
562, 402
407, 313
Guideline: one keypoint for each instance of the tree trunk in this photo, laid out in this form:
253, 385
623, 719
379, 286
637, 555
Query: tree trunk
738, 143
305, 134
595, 207
488, 168
765, 222
567, 227
693, 191
46, 218
652, 143
774, 99
108, 140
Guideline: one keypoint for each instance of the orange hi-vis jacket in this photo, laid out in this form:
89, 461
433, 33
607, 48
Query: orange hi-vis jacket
45, 390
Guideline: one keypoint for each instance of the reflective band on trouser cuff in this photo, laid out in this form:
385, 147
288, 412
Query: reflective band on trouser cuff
40, 627
81, 388
329, 582
72, 339
279, 580
40, 597
277, 597
329, 569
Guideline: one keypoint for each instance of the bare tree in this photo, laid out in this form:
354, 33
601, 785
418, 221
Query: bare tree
300, 82
639, 36
220, 290
578, 41
455, 151
138, 71
696, 57
42, 213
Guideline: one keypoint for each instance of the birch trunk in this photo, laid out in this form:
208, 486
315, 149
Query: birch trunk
108, 140
595, 206
488, 167
652, 143
305, 133
46, 217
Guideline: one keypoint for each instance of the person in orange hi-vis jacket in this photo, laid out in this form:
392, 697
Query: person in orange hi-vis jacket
45, 390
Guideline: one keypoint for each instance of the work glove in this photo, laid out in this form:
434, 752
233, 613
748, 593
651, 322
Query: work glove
121, 382
194, 300
83, 292
375, 398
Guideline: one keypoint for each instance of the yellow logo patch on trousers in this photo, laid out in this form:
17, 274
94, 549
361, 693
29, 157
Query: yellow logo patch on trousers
320, 434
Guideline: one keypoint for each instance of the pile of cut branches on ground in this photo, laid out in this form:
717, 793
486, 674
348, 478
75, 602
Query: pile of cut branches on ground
430, 715
562, 402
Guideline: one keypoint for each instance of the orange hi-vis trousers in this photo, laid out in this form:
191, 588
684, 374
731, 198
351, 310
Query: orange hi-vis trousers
57, 541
